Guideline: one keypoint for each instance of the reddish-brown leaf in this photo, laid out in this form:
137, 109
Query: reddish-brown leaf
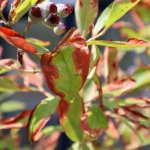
17, 118
16, 39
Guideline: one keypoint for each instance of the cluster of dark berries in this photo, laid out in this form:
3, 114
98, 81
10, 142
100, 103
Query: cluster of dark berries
49, 13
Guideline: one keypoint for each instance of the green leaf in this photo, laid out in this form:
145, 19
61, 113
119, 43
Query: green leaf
3, 70
40, 116
22, 9
142, 78
78, 146
38, 42
47, 131
145, 122
112, 13
7, 85
95, 55
96, 118
38, 47
67, 73
130, 101
132, 43
86, 12
138, 80
143, 11
70, 117
11, 105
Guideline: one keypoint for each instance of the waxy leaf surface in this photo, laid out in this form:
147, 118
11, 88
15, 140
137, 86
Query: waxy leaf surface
86, 12
40, 116
112, 13
132, 43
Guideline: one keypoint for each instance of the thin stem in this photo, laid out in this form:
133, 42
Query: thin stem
27, 28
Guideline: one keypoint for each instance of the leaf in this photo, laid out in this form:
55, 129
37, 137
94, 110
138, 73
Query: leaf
47, 131
143, 11
132, 43
119, 87
110, 64
66, 65
21, 9
94, 121
83, 10
112, 13
3, 70
95, 56
40, 116
145, 122
130, 101
70, 116
96, 118
7, 85
39, 48
19, 117
10, 106
3, 4
16, 39
81, 146
38, 42
14, 5
141, 76
18, 121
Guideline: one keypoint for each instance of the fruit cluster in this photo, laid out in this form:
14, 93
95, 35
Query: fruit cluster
49, 14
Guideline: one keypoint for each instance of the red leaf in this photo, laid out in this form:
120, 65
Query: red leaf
16, 39
17, 118
136, 41
125, 84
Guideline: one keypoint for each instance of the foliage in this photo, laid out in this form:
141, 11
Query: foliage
87, 106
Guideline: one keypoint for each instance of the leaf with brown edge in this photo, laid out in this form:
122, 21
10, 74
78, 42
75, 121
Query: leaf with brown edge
18, 121
66, 64
70, 118
131, 43
93, 121
110, 64
40, 116
83, 10
65, 71
17, 118
16, 40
